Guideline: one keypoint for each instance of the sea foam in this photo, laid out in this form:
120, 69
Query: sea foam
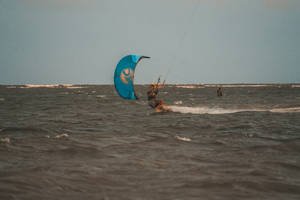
69, 86
207, 110
5, 140
183, 138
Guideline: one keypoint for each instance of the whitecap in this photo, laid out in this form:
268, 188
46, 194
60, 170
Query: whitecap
5, 140
75, 87
296, 86
40, 86
285, 110
187, 86
203, 110
62, 135
68, 86
178, 102
183, 138
101, 96
207, 110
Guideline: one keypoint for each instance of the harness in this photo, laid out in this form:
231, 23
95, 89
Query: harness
152, 98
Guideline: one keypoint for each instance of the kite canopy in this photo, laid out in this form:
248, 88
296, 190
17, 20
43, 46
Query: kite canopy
124, 75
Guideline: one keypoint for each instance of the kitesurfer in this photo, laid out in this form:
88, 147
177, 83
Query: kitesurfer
152, 93
158, 105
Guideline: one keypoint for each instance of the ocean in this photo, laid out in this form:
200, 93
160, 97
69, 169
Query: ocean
85, 142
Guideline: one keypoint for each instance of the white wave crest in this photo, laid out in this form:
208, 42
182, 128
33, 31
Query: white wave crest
286, 110
178, 102
189, 86
296, 86
62, 135
101, 96
5, 140
203, 110
75, 87
40, 86
206, 110
69, 86
183, 138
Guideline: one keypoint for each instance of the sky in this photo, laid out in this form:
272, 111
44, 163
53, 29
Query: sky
189, 41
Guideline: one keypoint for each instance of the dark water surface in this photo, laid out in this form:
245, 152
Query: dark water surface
88, 143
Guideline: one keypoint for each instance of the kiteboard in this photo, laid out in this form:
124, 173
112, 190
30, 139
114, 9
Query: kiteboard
163, 108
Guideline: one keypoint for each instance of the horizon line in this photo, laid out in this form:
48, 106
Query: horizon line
70, 84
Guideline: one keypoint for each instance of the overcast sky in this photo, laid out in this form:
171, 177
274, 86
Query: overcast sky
198, 41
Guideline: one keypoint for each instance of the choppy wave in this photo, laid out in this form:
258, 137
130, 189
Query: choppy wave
61, 143
207, 110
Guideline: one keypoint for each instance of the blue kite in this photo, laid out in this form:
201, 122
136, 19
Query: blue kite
124, 76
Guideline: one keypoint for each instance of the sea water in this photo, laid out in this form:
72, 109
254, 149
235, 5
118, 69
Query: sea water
85, 142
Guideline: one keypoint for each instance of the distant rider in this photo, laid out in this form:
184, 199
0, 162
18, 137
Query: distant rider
219, 92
